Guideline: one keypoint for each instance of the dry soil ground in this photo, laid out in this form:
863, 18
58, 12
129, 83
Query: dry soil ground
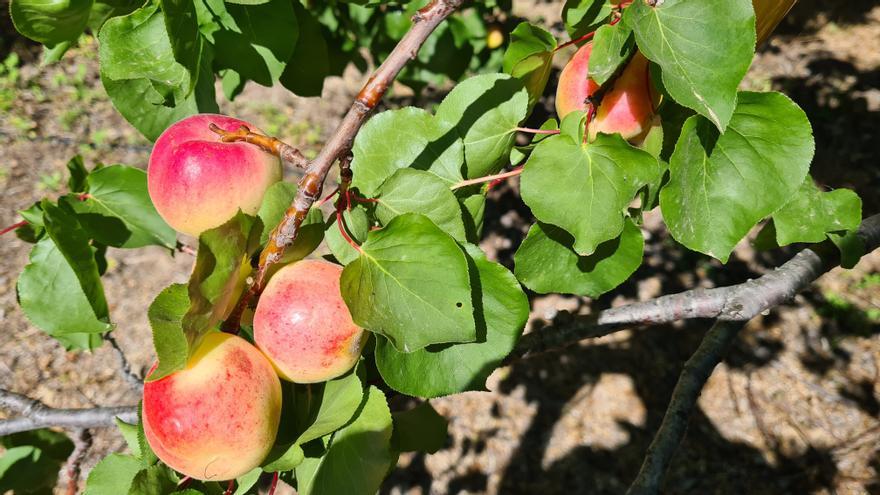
794, 409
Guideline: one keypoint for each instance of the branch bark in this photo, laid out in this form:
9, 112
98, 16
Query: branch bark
740, 302
425, 21
33, 414
696, 371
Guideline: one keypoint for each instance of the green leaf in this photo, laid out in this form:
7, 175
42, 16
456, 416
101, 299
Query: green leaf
473, 209
585, 189
583, 16
851, 247
813, 213
357, 224
359, 455
485, 111
145, 82
278, 198
420, 429
50, 21
720, 186
703, 49
256, 40
78, 174
612, 46
529, 57
501, 313
337, 403
332, 407
407, 137
169, 339
53, 300
153, 480
130, 434
73, 243
309, 65
546, 262
29, 469
411, 285
247, 481
113, 475
120, 192
415, 191
182, 27
218, 277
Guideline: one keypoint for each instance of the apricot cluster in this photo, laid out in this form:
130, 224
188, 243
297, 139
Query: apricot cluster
217, 418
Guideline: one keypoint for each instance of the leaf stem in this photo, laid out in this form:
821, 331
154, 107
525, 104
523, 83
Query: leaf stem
13, 227
585, 37
274, 484
489, 178
537, 131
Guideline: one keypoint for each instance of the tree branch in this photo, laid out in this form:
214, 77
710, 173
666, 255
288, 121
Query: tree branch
424, 22
134, 379
694, 375
33, 415
740, 302
82, 442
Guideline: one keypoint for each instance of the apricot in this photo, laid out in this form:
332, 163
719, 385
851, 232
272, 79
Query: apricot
303, 325
198, 182
626, 108
217, 418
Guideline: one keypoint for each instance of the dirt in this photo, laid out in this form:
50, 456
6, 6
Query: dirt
794, 409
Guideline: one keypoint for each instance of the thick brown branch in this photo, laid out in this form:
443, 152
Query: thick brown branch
694, 375
735, 303
424, 23
33, 414
269, 144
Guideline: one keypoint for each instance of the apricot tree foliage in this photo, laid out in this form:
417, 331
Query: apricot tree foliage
410, 203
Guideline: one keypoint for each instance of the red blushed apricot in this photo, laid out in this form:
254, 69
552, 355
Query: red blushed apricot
217, 418
198, 182
626, 108
304, 327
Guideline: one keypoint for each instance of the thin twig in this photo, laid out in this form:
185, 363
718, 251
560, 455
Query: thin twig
134, 379
33, 414
13, 227
425, 21
82, 442
740, 302
268, 144
694, 375
489, 178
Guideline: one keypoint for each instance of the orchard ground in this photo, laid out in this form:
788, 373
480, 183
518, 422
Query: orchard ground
794, 409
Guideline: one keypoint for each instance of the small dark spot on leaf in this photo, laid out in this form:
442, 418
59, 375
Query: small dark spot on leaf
458, 305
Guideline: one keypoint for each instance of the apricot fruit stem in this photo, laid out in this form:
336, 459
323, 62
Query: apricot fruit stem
268, 144
230, 487
489, 178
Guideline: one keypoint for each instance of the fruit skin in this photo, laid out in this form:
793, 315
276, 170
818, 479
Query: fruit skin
495, 37
768, 14
303, 325
198, 182
217, 418
627, 108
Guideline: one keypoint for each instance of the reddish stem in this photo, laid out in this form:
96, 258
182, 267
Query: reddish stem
585, 37
340, 222
274, 483
488, 178
184, 482
327, 198
84, 196
229, 487
13, 227
537, 131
